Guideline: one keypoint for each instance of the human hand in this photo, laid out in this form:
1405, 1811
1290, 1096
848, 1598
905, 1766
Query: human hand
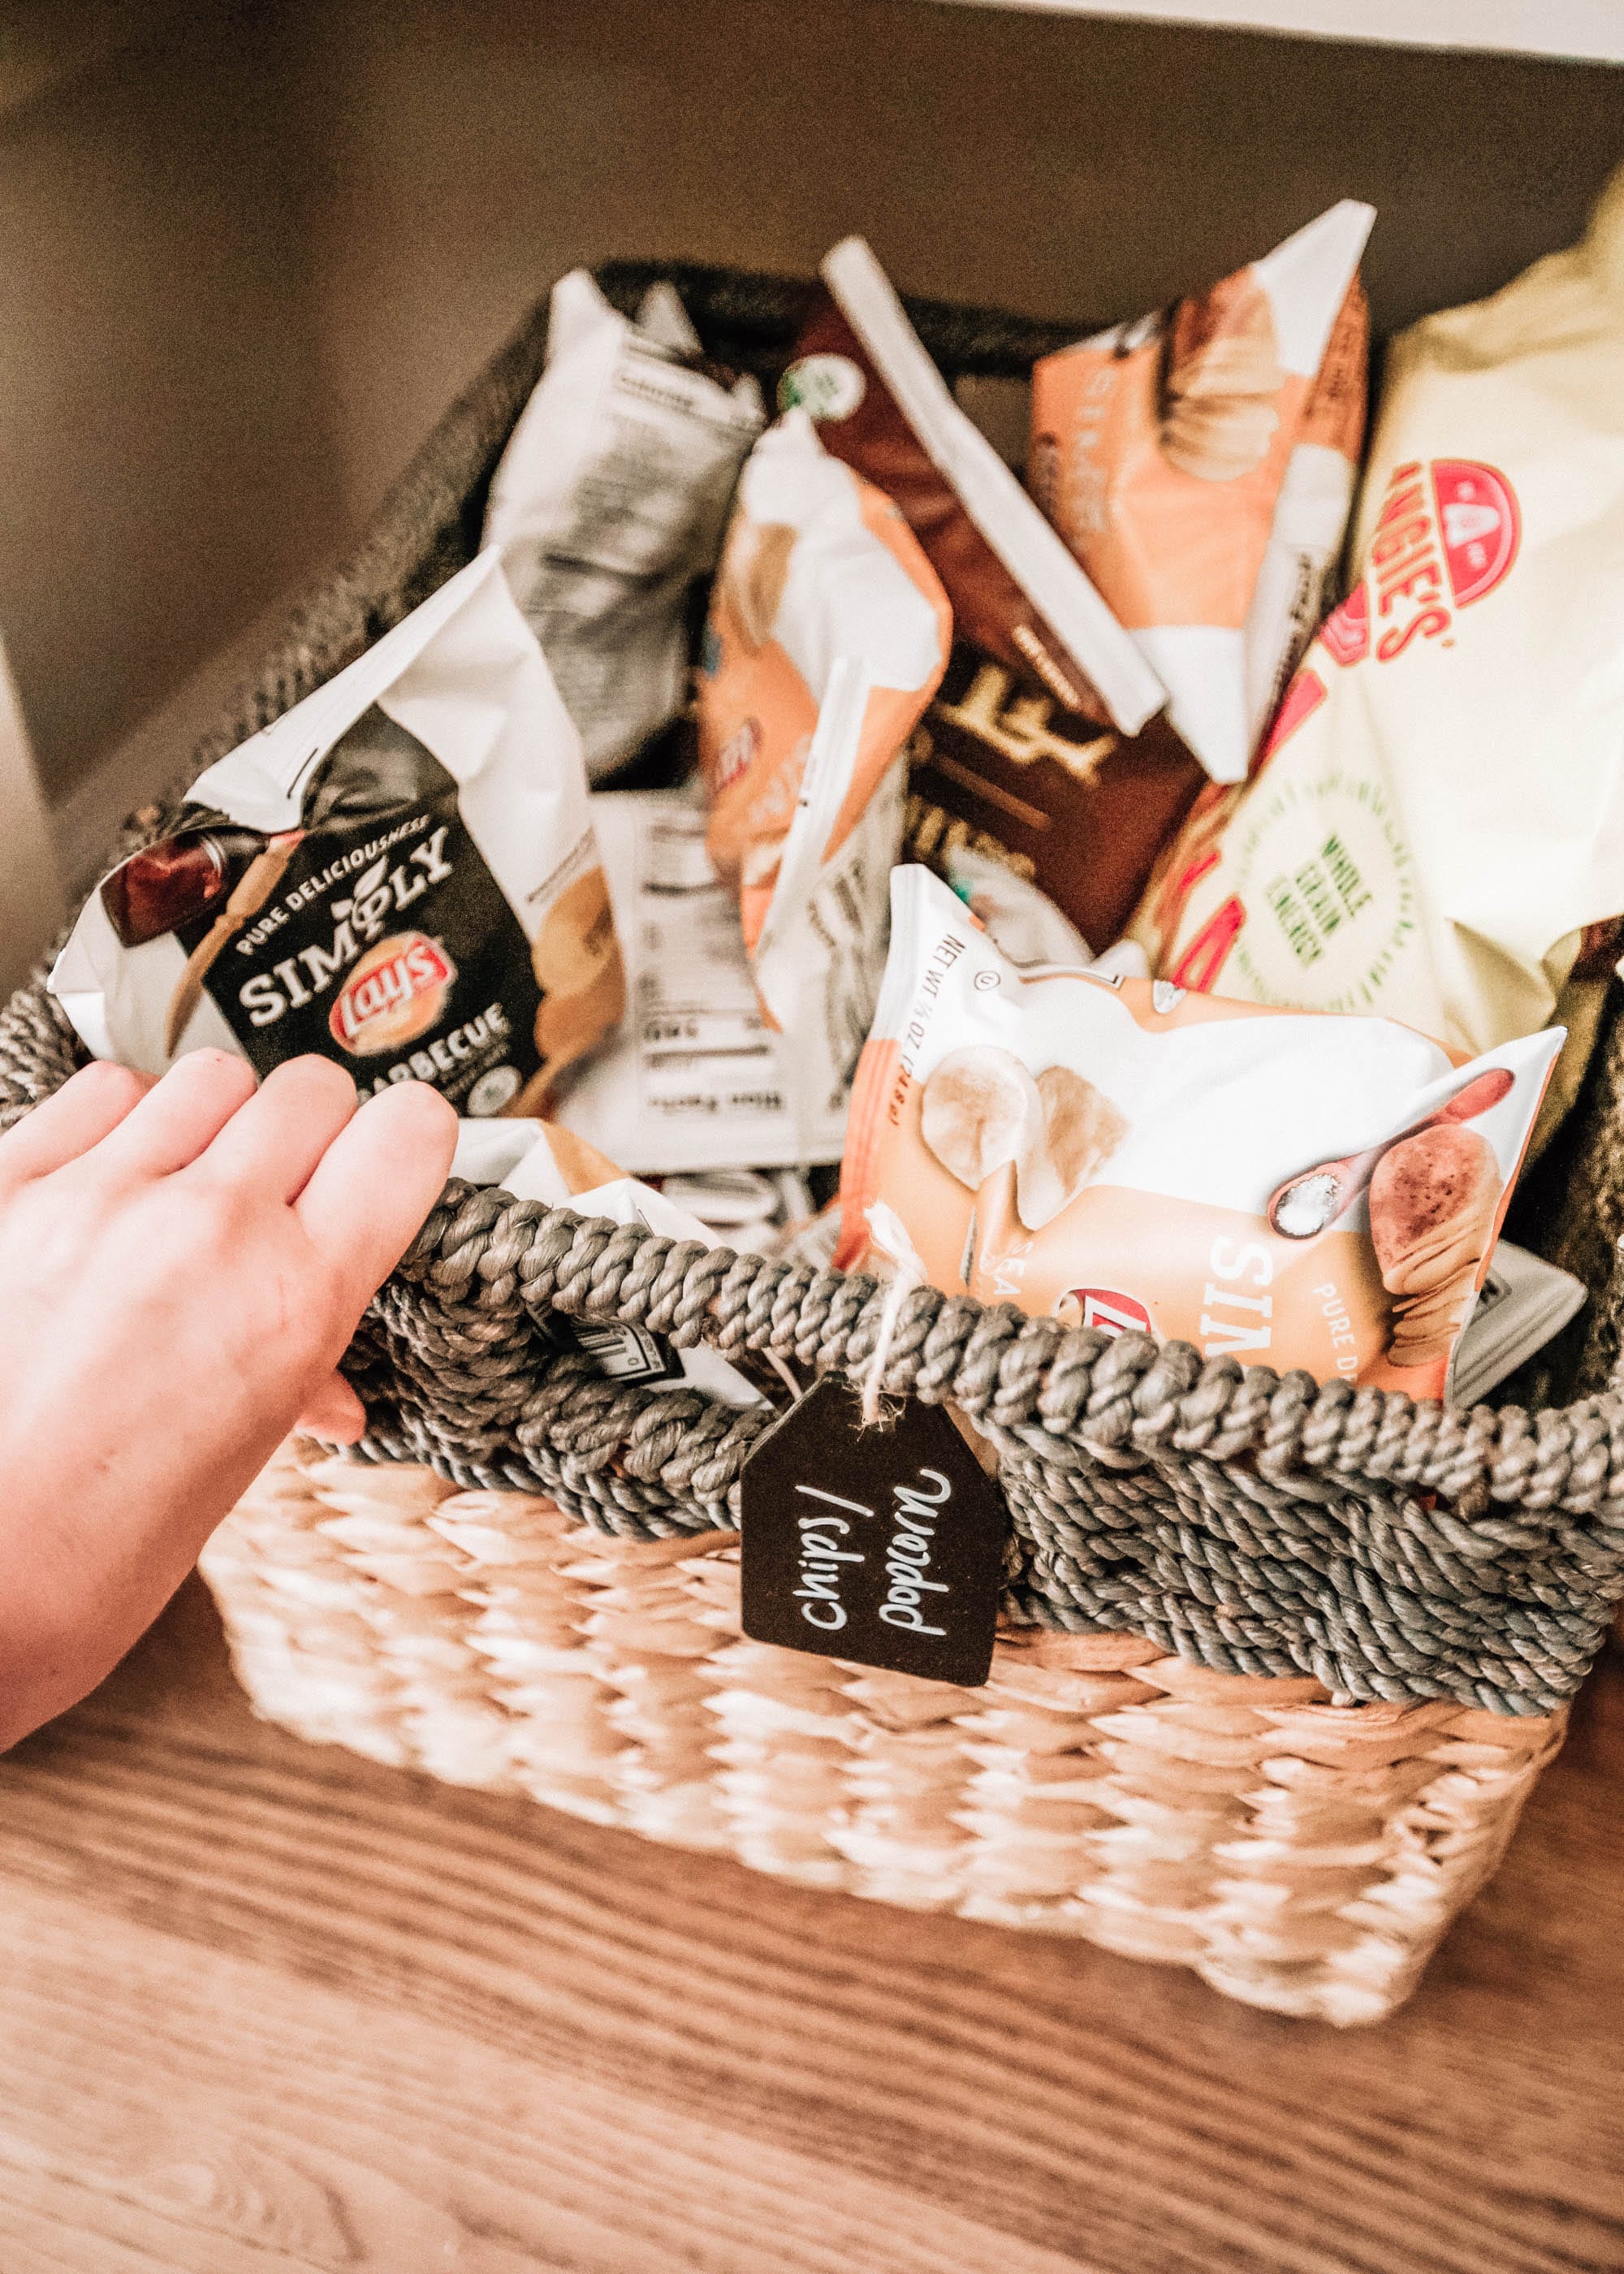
181, 1265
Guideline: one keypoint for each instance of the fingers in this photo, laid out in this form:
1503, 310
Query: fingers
84, 1110
376, 1183
181, 1117
333, 1413
275, 1142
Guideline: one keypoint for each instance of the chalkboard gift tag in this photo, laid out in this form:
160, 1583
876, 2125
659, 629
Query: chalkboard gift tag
883, 1546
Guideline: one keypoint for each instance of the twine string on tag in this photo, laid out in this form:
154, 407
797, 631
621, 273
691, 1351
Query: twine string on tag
888, 1233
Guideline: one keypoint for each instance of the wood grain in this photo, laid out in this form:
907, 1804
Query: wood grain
265, 2005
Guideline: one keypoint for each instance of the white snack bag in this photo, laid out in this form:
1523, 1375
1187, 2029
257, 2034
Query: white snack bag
399, 873
694, 1077
610, 499
537, 1161
827, 635
1021, 921
1274, 1187
821, 954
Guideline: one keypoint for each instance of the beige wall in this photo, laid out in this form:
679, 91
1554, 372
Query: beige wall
167, 460
471, 149
241, 272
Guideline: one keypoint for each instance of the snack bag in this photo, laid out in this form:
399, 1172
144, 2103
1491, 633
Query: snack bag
1297, 579
399, 873
610, 499
695, 1076
1166, 453
1274, 1187
828, 632
1046, 743
538, 1161
1022, 923
1438, 815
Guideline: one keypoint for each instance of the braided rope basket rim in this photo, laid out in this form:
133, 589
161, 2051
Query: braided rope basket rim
1259, 1523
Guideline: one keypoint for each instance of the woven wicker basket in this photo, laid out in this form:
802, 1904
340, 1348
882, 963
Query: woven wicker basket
1279, 1661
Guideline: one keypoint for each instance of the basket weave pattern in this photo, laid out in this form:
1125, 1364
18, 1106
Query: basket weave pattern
1280, 1661
1298, 1855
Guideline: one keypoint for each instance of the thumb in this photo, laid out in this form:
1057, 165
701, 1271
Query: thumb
333, 1412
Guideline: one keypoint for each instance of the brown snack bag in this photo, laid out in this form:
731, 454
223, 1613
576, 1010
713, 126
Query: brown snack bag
1065, 800
1048, 738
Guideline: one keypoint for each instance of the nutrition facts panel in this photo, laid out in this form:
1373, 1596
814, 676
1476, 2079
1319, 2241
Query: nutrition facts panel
704, 1053
694, 1075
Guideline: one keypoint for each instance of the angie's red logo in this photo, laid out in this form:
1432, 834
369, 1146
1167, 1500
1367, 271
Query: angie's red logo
395, 992
1300, 701
1446, 537
1482, 528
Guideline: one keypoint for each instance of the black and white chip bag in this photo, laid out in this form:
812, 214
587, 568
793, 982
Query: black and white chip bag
400, 873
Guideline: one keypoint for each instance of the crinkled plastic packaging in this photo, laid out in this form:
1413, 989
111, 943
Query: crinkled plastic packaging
538, 1161
399, 874
1048, 742
695, 1076
1275, 1187
827, 633
611, 499
1176, 456
1438, 816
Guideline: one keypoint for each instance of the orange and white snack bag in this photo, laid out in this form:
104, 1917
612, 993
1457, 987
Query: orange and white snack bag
818, 567
1161, 450
1438, 815
1297, 581
827, 635
1271, 1187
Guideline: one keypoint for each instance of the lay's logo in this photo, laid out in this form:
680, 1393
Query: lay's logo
396, 992
1107, 1309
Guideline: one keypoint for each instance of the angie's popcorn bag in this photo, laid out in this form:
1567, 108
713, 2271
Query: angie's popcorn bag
1272, 1187
827, 635
1437, 819
1176, 457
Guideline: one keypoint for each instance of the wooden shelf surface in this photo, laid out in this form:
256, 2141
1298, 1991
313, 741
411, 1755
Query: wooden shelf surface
265, 2006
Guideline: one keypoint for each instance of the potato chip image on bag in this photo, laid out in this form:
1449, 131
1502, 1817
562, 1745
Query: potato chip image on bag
399, 873
1164, 450
1121, 1154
